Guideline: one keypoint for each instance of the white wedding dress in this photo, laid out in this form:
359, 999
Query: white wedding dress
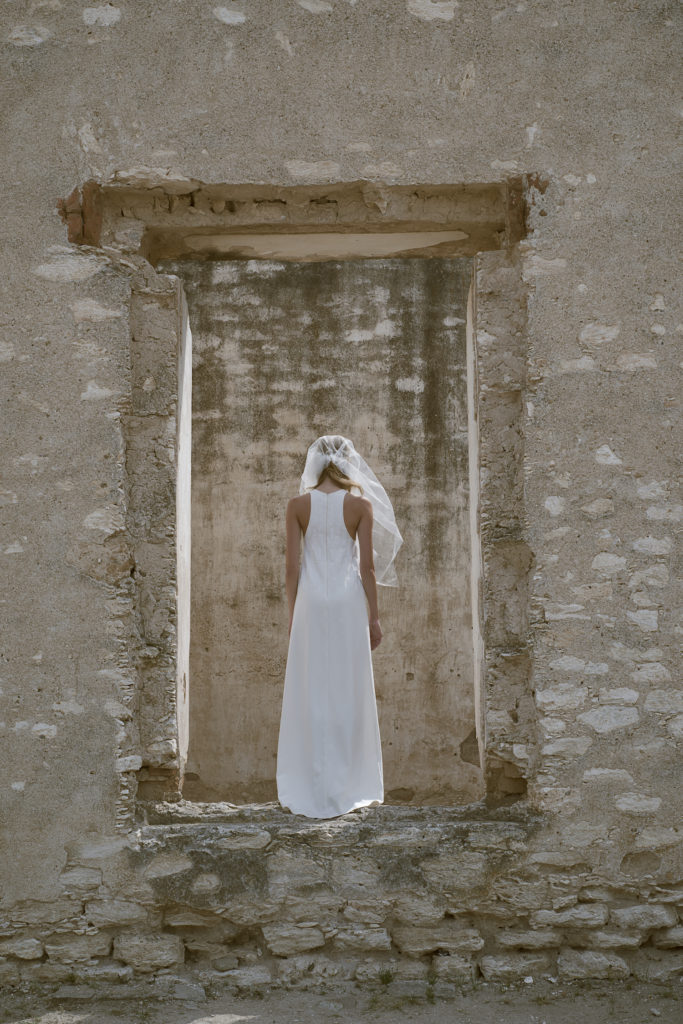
329, 757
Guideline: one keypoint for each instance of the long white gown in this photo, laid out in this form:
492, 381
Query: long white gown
329, 758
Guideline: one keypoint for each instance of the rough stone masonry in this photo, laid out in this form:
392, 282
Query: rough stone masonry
536, 140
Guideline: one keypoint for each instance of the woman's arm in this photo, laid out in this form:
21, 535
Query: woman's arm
367, 571
292, 556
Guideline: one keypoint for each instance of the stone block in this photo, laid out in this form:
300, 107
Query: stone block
79, 879
638, 804
575, 963
567, 746
609, 718
146, 953
288, 871
9, 974
529, 940
361, 939
101, 973
512, 966
286, 938
245, 911
313, 971
249, 979
71, 949
657, 965
38, 912
186, 917
664, 702
583, 915
597, 939
165, 865
206, 883
644, 915
414, 909
453, 967
563, 697
670, 938
46, 972
448, 936
244, 839
77, 992
102, 913
22, 948
353, 876
366, 911
457, 871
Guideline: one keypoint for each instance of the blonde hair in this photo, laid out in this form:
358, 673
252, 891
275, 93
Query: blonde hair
336, 475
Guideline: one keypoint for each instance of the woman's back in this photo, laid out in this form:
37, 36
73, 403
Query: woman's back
330, 559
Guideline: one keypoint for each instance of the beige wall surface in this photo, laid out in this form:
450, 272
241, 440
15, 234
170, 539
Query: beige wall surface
573, 98
284, 352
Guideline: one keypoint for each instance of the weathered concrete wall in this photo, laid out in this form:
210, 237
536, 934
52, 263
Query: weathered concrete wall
575, 100
284, 352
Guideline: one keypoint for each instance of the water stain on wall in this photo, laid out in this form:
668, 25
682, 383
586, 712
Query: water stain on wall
284, 352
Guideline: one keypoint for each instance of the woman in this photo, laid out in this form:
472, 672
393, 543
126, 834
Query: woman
329, 757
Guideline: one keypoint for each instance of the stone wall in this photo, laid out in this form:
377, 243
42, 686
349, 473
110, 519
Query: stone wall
537, 141
417, 901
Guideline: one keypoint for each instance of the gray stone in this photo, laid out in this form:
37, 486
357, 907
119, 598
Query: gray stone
79, 879
47, 971
247, 839
114, 912
607, 719
453, 967
248, 979
98, 973
607, 940
44, 912
148, 952
314, 971
512, 966
567, 746
80, 992
416, 940
456, 872
190, 990
529, 939
583, 915
366, 911
70, 949
670, 938
22, 948
286, 938
664, 702
638, 804
574, 963
656, 965
563, 697
361, 939
167, 864
9, 974
417, 909
644, 915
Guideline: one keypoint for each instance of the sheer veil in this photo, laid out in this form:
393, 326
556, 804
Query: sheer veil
386, 539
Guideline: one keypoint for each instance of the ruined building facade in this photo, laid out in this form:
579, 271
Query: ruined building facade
446, 232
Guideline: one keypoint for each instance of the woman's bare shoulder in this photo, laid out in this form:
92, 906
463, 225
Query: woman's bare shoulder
299, 501
360, 503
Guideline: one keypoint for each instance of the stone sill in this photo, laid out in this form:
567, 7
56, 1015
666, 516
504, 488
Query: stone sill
498, 824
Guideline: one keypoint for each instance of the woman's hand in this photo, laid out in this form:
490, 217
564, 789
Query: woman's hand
375, 634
